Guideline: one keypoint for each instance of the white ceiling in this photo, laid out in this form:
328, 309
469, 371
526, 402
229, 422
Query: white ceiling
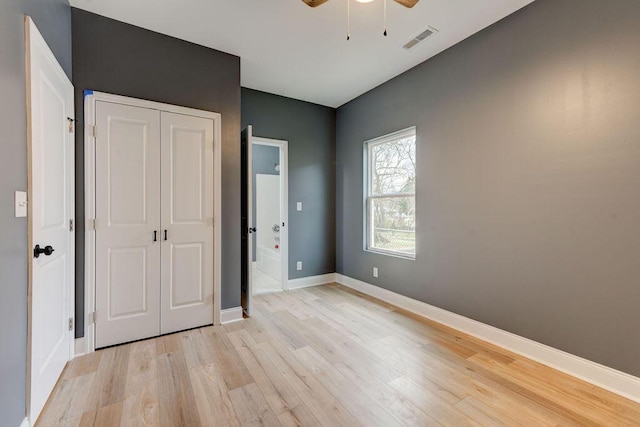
290, 49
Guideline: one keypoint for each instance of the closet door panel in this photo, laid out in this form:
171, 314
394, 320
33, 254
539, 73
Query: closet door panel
127, 214
187, 222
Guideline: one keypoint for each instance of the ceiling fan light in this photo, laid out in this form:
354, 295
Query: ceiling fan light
364, 1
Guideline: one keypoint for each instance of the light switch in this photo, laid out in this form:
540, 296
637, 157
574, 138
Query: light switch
299, 206
21, 204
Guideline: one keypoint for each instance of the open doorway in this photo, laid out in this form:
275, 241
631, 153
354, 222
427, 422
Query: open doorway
269, 259
269, 210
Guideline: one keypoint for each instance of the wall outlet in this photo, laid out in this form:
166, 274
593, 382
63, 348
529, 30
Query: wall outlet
299, 265
299, 206
375, 271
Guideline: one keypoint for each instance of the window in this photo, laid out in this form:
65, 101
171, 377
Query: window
391, 194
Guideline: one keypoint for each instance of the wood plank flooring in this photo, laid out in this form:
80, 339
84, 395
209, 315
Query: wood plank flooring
324, 356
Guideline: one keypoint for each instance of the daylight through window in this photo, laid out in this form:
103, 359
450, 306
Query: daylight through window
391, 194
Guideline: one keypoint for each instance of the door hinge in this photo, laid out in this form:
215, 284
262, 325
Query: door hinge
92, 317
93, 131
71, 323
71, 124
70, 225
92, 224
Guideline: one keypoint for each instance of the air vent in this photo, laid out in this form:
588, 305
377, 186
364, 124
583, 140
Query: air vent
417, 39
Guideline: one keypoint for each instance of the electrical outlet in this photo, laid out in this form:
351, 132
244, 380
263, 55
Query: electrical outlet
375, 271
299, 266
299, 206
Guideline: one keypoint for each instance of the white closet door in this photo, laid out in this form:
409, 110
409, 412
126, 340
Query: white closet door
127, 217
187, 222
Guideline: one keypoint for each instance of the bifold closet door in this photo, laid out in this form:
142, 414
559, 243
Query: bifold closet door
127, 223
187, 222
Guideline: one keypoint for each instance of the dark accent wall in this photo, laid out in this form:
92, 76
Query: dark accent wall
53, 19
310, 130
528, 169
114, 57
264, 158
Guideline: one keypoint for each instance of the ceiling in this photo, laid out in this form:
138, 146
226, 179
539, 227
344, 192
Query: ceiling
290, 49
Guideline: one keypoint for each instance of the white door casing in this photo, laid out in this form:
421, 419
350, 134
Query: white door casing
187, 221
51, 197
127, 223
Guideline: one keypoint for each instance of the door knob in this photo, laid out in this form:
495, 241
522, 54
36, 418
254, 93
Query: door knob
47, 250
252, 230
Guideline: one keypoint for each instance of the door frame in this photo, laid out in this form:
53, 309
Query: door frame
284, 204
33, 37
90, 99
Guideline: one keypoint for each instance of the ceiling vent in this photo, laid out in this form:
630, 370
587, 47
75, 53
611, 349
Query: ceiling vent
417, 39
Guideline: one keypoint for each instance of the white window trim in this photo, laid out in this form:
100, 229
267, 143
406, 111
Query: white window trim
368, 229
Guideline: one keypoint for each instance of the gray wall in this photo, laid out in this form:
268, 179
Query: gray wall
53, 19
310, 130
114, 57
264, 157
528, 152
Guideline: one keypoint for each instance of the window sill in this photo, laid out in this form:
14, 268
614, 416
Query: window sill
391, 254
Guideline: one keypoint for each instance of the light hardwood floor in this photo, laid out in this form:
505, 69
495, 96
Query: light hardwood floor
324, 356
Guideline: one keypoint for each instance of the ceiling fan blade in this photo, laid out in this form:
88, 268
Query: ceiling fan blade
314, 3
406, 3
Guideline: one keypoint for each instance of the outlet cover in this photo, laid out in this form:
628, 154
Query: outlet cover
375, 271
299, 206
299, 266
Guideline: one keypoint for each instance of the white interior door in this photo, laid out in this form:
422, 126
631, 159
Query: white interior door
187, 222
51, 181
127, 223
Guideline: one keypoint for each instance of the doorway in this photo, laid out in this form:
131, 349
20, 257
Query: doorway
269, 170
265, 202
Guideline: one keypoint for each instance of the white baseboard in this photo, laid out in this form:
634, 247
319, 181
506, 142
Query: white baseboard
229, 315
80, 347
25, 422
306, 282
602, 376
